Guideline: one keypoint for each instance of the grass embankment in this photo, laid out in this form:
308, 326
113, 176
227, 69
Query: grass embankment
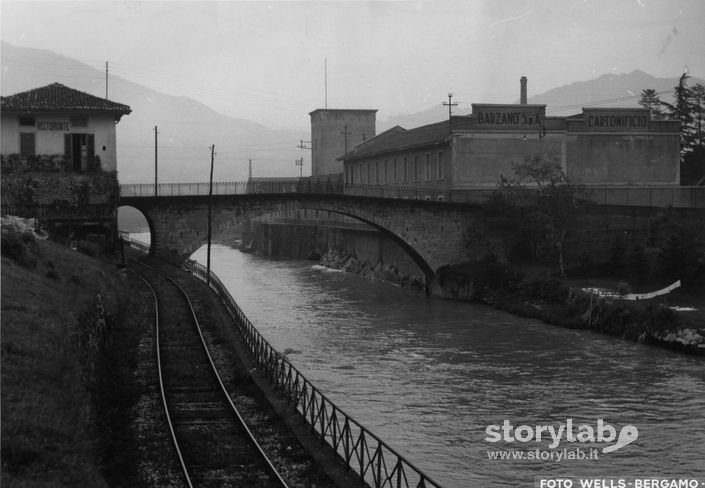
60, 396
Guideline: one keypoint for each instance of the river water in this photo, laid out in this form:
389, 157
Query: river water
429, 376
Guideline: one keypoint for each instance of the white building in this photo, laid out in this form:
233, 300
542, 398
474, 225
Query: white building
60, 123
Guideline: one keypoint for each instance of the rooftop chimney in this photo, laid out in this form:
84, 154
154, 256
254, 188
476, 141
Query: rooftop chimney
522, 98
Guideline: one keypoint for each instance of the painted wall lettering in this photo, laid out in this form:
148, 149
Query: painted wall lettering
62, 126
509, 116
618, 121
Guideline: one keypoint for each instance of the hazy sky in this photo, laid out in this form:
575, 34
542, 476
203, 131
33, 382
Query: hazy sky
265, 60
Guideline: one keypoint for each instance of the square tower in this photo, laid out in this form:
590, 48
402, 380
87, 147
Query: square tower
335, 132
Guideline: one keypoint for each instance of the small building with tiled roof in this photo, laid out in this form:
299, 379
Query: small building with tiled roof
600, 146
56, 120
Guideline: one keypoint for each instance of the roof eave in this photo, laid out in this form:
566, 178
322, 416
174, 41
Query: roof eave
53, 110
409, 147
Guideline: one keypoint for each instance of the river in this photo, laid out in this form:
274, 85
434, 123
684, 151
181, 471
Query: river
430, 376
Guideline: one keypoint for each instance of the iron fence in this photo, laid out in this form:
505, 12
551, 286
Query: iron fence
182, 189
650, 196
135, 244
62, 212
636, 196
371, 458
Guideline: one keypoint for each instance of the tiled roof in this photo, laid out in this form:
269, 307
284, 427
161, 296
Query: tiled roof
399, 139
59, 98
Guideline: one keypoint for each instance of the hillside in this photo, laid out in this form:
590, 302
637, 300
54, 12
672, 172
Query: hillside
186, 127
58, 415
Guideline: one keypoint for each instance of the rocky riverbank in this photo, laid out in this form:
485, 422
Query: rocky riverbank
555, 302
350, 263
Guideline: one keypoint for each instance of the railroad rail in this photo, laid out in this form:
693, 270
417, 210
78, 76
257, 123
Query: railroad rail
374, 461
212, 441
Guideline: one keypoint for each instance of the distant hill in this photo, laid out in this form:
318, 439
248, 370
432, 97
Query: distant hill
187, 128
609, 90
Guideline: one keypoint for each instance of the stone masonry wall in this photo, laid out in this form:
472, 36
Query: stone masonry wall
353, 249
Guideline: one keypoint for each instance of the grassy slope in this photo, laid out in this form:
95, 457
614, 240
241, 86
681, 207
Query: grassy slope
48, 438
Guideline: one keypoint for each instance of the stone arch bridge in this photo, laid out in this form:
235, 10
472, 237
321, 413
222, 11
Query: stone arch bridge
431, 232
431, 226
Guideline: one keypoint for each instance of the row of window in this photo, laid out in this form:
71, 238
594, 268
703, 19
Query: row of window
79, 149
75, 121
396, 170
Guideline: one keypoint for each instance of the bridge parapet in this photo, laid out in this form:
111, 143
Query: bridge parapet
634, 196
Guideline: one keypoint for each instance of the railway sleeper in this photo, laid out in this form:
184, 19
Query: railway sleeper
240, 475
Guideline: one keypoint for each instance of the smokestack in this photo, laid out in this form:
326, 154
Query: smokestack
522, 98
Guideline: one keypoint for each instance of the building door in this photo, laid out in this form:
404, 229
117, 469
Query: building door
80, 149
27, 147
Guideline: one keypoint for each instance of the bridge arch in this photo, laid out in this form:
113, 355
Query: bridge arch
133, 220
419, 260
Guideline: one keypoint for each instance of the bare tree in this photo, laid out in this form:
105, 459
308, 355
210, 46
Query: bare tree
540, 186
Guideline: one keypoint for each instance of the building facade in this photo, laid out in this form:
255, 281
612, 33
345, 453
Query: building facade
600, 147
59, 162
333, 133
56, 120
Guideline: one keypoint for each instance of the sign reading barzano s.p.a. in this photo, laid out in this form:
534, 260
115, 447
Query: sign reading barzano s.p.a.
616, 119
502, 116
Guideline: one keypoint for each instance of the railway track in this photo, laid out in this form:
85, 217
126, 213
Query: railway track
212, 441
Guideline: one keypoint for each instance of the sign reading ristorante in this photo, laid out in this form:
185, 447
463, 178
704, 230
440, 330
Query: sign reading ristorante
53, 125
494, 116
616, 119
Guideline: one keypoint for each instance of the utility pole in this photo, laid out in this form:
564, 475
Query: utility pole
106, 80
300, 162
325, 80
346, 134
156, 187
450, 104
210, 211
249, 173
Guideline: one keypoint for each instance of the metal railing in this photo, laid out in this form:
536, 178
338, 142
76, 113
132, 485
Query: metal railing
183, 189
135, 244
62, 212
637, 196
649, 196
371, 458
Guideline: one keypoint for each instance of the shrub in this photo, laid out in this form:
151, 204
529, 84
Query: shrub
493, 274
552, 290
624, 288
20, 247
682, 256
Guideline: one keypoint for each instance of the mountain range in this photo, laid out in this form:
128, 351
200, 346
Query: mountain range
186, 128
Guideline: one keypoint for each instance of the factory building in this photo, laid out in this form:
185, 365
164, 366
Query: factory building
599, 146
